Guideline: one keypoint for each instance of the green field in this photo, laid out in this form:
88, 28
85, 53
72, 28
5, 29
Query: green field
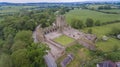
13, 9
83, 14
100, 31
6, 10
64, 40
103, 30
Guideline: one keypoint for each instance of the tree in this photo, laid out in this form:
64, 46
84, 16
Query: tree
24, 36
36, 53
20, 58
78, 24
89, 22
30, 25
18, 45
31, 56
8, 31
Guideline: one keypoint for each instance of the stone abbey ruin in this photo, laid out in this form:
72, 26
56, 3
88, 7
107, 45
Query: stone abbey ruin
60, 27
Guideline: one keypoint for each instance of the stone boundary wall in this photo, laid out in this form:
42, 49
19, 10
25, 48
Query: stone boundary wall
56, 42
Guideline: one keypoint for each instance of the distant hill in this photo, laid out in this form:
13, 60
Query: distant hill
57, 3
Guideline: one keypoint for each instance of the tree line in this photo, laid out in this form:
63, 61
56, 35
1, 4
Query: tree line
78, 24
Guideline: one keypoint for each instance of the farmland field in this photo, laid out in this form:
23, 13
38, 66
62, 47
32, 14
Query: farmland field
5, 10
83, 14
64, 40
103, 30
100, 31
13, 9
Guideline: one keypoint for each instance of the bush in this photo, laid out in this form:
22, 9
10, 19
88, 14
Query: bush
89, 22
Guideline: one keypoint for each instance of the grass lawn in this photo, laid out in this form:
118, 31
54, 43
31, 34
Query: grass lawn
64, 40
83, 14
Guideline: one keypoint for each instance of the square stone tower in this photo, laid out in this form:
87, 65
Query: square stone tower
60, 22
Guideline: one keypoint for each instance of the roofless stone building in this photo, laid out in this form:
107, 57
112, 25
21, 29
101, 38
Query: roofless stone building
60, 27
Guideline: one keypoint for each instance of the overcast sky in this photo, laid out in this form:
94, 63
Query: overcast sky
28, 1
